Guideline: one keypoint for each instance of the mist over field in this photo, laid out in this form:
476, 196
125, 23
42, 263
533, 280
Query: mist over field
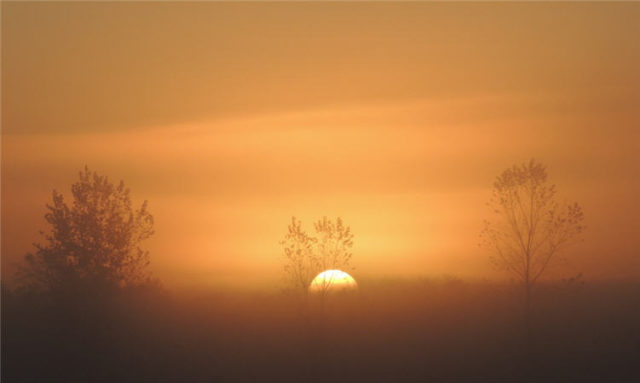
320, 191
444, 330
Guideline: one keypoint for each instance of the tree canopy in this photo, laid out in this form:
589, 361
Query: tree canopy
306, 256
95, 242
530, 227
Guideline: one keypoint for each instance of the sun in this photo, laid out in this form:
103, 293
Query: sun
332, 280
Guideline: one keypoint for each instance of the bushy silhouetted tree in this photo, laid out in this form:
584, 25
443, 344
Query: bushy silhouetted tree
334, 243
307, 256
93, 243
301, 263
529, 226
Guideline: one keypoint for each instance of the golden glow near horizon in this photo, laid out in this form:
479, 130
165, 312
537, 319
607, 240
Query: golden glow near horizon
332, 281
229, 118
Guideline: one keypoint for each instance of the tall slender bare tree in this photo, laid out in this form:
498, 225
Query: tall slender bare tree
529, 227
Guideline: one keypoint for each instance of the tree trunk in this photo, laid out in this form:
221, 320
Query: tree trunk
527, 316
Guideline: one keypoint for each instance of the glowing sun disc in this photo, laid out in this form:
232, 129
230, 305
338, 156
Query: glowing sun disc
332, 280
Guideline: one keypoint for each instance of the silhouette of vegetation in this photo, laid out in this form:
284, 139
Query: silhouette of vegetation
307, 256
334, 244
445, 330
529, 227
93, 243
300, 261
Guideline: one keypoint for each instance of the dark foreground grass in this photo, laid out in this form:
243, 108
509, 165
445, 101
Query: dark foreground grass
442, 330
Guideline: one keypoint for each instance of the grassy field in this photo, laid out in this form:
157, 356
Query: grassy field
429, 330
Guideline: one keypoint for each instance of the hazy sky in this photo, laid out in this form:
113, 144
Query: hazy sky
231, 118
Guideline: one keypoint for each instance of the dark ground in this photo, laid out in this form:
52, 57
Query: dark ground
429, 330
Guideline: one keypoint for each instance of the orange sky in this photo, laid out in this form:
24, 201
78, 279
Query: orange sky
230, 118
